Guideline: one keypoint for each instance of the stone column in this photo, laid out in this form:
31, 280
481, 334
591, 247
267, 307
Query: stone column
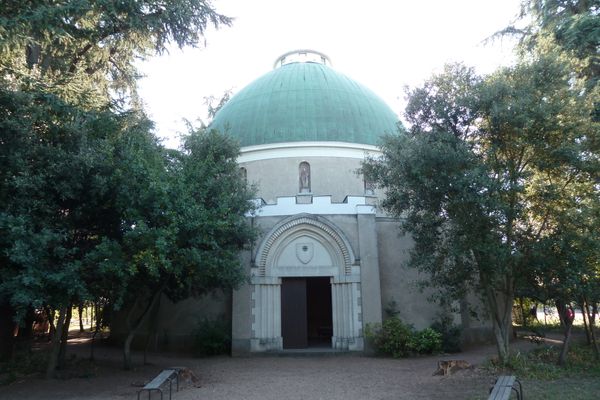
266, 313
346, 313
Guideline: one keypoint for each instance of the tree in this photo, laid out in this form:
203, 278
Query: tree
85, 51
566, 270
480, 174
565, 29
64, 175
569, 30
570, 26
76, 166
191, 246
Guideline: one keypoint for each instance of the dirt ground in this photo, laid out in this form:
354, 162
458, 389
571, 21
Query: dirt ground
329, 377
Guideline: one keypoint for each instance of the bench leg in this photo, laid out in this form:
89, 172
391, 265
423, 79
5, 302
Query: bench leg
520, 393
517, 392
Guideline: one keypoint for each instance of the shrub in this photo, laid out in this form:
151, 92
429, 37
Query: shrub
450, 335
398, 339
212, 337
427, 341
393, 337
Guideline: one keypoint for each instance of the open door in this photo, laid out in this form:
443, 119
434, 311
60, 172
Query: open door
319, 311
293, 313
306, 313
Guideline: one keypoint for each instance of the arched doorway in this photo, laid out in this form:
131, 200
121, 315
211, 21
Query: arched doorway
300, 262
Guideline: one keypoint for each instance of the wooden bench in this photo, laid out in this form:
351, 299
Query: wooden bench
156, 383
504, 386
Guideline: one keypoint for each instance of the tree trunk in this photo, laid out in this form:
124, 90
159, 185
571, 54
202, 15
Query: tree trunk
152, 330
500, 307
7, 329
523, 314
562, 358
80, 311
26, 330
133, 328
92, 342
586, 326
127, 350
592, 334
50, 316
92, 315
55, 348
98, 323
568, 324
64, 337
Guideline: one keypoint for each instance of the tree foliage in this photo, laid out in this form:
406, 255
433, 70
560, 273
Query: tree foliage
186, 241
59, 191
94, 208
569, 30
569, 26
84, 51
496, 179
485, 174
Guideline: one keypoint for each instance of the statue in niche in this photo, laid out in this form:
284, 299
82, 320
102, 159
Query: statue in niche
304, 177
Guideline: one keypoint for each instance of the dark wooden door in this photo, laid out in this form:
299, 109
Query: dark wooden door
293, 313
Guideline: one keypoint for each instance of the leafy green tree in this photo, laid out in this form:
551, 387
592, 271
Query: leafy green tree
479, 176
569, 30
191, 246
567, 270
572, 26
81, 179
85, 51
66, 179
46, 228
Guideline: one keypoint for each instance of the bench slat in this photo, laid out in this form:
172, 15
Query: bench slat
504, 388
159, 379
500, 393
506, 381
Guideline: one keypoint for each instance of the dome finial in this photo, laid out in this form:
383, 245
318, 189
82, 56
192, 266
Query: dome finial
302, 55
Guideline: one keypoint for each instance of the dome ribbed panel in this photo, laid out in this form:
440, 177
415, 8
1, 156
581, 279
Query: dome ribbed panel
305, 102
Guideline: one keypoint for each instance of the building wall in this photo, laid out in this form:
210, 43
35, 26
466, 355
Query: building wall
398, 282
334, 169
335, 176
175, 323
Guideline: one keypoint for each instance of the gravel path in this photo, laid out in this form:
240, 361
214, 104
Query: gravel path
344, 377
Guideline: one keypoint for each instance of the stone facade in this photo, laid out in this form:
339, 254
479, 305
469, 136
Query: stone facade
328, 260
349, 241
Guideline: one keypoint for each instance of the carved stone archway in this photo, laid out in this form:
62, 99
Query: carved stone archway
305, 246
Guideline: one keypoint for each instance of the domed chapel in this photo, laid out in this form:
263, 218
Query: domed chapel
327, 260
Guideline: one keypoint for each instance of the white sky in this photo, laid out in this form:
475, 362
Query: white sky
383, 44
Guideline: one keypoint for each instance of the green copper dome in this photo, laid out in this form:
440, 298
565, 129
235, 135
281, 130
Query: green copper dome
305, 101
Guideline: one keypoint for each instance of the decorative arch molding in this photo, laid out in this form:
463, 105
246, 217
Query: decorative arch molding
276, 261
299, 223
